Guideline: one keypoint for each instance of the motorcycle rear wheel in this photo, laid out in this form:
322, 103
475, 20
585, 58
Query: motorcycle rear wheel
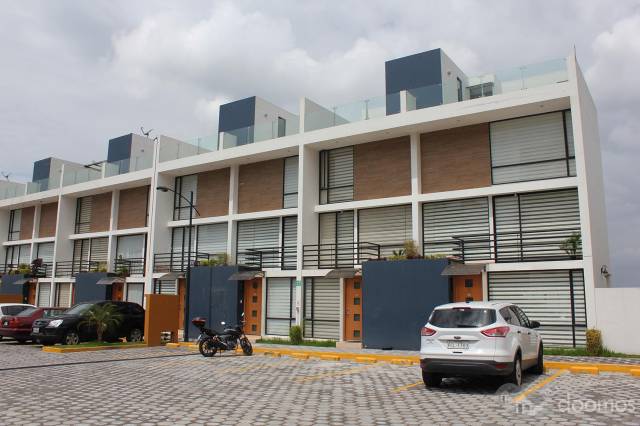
245, 344
207, 348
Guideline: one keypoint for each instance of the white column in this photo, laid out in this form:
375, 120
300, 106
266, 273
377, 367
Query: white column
416, 189
233, 210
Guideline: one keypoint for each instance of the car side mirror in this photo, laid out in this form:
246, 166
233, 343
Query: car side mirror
535, 324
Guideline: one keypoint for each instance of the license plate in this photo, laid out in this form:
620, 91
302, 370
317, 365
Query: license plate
36, 330
454, 344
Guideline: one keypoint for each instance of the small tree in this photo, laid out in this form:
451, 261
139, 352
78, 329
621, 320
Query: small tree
572, 245
295, 335
102, 317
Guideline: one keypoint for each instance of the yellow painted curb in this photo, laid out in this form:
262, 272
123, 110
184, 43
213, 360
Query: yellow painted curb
635, 372
330, 357
401, 361
366, 359
70, 349
272, 353
584, 370
603, 368
299, 355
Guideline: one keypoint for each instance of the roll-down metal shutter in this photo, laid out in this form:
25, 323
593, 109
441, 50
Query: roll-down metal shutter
63, 295
534, 225
555, 298
388, 226
528, 148
322, 308
466, 220
280, 306
212, 239
258, 234
290, 182
289, 241
44, 294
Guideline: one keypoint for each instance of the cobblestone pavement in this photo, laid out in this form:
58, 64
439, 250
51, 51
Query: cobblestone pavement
261, 390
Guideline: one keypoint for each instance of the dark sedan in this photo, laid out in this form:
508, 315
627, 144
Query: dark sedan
18, 326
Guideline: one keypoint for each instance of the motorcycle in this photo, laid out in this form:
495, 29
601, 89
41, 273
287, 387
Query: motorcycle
210, 341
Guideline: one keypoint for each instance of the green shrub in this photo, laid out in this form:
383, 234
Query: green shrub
295, 335
594, 342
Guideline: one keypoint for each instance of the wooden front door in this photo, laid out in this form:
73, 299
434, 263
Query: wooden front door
353, 309
252, 300
117, 291
31, 293
182, 291
467, 288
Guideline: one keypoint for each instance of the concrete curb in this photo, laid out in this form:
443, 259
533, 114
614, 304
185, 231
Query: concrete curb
70, 349
573, 367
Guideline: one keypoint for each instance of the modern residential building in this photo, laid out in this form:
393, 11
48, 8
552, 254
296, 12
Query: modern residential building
499, 174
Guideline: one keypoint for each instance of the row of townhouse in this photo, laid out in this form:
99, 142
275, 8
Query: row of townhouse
500, 173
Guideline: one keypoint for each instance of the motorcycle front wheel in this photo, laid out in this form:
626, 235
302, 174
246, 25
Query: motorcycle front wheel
207, 348
245, 344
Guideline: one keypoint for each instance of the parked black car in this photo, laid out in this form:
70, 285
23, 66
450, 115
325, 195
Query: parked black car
69, 329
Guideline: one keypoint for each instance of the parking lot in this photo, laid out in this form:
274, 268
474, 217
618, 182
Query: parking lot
174, 386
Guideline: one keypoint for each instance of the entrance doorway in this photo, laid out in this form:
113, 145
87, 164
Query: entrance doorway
467, 288
117, 291
30, 293
182, 291
353, 309
252, 300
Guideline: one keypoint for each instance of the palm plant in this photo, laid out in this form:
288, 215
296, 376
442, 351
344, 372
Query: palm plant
102, 317
572, 245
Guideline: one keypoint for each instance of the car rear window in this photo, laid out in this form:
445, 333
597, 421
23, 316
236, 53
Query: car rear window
462, 317
27, 312
14, 309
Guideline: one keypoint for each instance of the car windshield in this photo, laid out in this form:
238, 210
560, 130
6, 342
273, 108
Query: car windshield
27, 312
52, 312
462, 317
78, 309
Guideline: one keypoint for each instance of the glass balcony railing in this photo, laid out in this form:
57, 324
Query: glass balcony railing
258, 133
127, 165
80, 175
11, 189
43, 185
173, 149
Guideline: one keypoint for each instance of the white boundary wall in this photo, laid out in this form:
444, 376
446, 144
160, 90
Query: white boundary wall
618, 317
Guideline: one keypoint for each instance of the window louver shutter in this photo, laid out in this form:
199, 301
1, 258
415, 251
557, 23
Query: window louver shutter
528, 140
336, 239
339, 179
188, 184
25, 254
444, 220
84, 217
388, 226
135, 293
322, 308
99, 249
545, 296
279, 306
44, 294
63, 296
212, 239
45, 252
290, 182
290, 241
257, 234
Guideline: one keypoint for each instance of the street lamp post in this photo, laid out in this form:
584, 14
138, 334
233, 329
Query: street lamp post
188, 277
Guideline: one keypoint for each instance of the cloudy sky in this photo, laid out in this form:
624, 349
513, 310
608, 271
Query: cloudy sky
75, 73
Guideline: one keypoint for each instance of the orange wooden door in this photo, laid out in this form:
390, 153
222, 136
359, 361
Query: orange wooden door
117, 291
353, 309
467, 288
252, 300
182, 291
31, 294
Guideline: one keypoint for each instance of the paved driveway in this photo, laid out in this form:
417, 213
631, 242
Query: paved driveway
139, 386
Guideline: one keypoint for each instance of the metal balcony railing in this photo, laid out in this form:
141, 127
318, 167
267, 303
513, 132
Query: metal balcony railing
130, 267
176, 262
525, 246
70, 268
269, 257
40, 270
339, 255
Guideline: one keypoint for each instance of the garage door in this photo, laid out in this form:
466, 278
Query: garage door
322, 308
280, 307
555, 298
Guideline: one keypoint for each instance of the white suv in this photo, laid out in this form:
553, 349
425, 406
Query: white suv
479, 338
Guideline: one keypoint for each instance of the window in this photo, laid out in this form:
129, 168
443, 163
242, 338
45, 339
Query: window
462, 317
290, 189
130, 247
336, 175
14, 224
184, 185
524, 320
83, 214
459, 89
280, 306
481, 90
282, 127
16, 255
468, 283
532, 148
135, 294
510, 316
322, 308
389, 227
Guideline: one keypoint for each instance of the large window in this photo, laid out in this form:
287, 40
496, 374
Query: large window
290, 189
16, 255
184, 185
532, 148
280, 306
84, 206
389, 227
322, 308
336, 175
14, 224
